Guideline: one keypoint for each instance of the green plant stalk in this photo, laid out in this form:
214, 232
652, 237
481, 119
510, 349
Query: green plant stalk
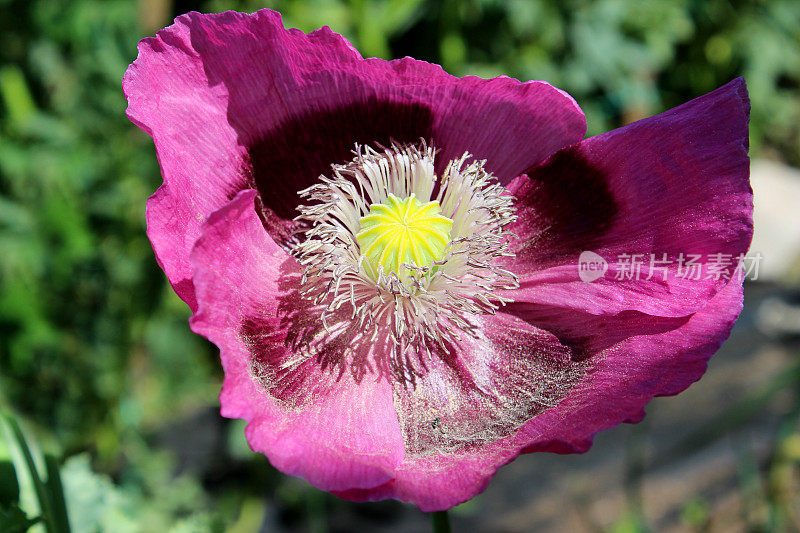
53, 513
441, 522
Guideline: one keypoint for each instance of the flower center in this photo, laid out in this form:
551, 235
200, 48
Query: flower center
403, 232
399, 262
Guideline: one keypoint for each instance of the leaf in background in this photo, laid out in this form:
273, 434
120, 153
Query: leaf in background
49, 493
55, 491
9, 486
17, 98
14, 520
24, 464
93, 500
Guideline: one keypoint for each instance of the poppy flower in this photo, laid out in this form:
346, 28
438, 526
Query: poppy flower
387, 256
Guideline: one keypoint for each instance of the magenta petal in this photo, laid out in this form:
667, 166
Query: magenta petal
455, 415
235, 101
617, 383
340, 432
671, 184
348, 436
168, 220
622, 378
485, 388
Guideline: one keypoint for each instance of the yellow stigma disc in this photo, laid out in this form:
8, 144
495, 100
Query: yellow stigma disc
403, 231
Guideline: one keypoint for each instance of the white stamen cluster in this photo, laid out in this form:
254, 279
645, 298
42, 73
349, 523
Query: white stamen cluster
418, 314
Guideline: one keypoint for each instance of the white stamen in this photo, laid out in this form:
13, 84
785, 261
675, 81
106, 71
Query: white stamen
424, 312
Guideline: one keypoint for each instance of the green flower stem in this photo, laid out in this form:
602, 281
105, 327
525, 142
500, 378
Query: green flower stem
441, 522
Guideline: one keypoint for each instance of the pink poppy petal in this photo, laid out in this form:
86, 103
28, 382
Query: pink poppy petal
673, 184
625, 376
235, 101
650, 359
484, 388
468, 400
336, 431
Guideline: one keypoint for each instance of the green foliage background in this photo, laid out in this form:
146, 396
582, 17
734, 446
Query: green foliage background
95, 352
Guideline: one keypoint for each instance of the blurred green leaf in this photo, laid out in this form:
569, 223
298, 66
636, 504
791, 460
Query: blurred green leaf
49, 493
695, 514
9, 486
55, 492
628, 523
14, 520
17, 98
